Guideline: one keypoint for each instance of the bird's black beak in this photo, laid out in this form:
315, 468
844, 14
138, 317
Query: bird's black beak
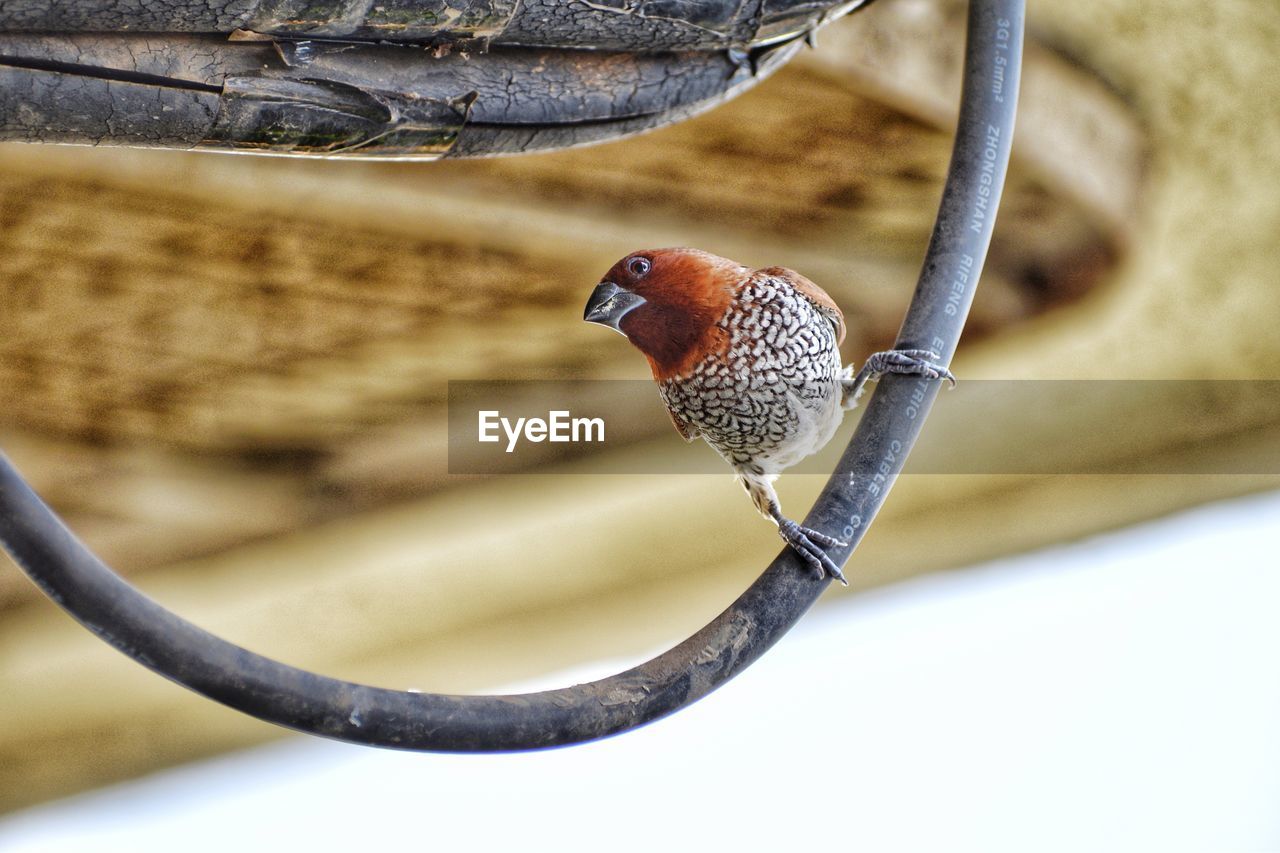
609, 304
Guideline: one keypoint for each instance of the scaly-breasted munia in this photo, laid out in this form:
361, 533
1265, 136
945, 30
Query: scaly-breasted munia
749, 361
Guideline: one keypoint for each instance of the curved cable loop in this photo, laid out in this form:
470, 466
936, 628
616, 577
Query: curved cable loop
108, 606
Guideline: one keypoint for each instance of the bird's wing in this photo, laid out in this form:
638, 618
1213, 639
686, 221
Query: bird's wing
687, 431
825, 305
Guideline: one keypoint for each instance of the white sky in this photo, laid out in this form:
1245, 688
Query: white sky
1121, 693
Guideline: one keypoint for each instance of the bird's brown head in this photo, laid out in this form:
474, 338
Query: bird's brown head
667, 302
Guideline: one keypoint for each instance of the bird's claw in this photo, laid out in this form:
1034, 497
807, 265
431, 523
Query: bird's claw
918, 362
808, 543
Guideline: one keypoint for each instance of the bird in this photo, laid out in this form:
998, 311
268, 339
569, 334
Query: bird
748, 361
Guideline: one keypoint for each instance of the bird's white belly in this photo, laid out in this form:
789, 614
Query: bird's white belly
816, 422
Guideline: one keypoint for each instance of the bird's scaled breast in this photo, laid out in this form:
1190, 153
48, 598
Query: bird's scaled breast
772, 395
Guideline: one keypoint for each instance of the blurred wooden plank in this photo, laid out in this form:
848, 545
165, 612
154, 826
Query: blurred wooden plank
1075, 131
140, 507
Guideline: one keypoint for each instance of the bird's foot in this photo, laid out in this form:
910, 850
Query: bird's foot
918, 362
808, 543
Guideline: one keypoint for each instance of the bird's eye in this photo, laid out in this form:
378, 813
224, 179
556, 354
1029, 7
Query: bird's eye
638, 266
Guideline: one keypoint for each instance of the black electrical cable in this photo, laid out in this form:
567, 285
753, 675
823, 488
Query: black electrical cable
74, 578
